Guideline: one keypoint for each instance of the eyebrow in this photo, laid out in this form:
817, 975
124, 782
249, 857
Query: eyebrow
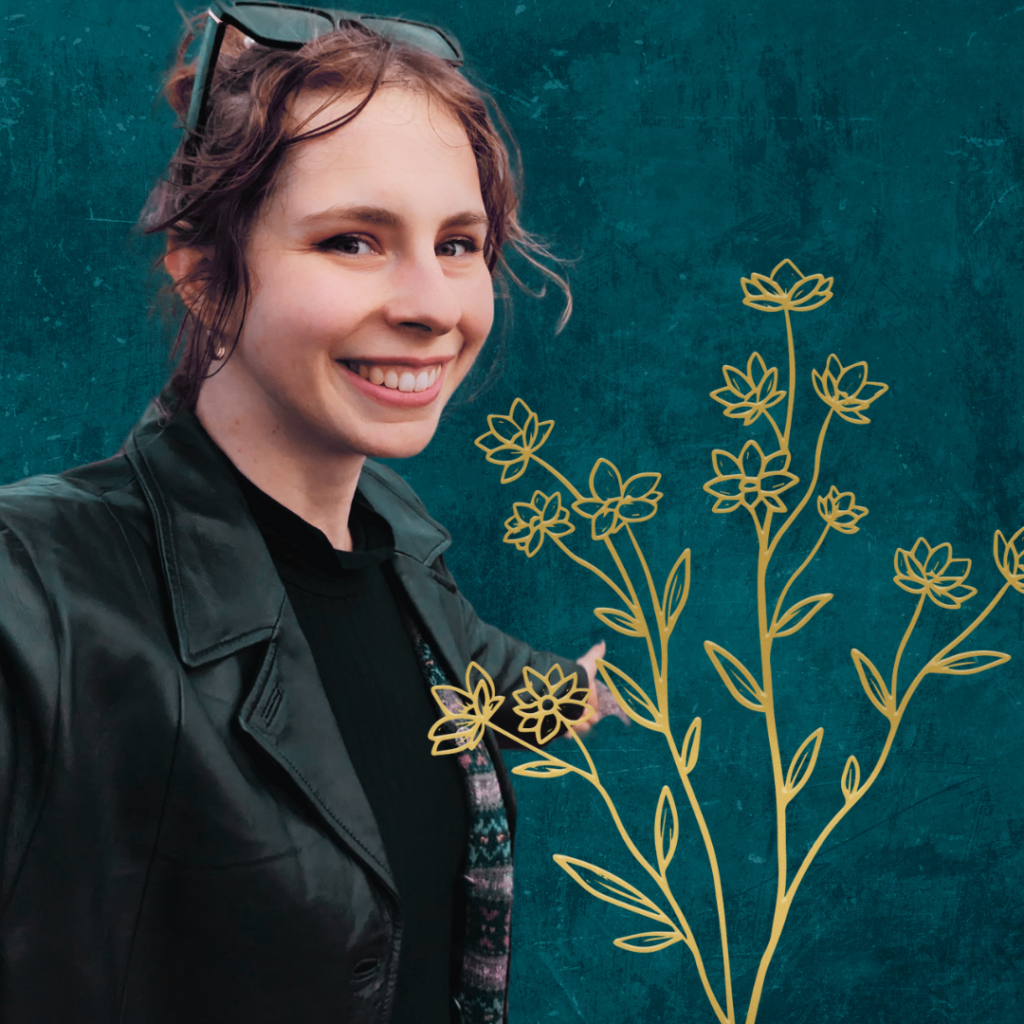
386, 218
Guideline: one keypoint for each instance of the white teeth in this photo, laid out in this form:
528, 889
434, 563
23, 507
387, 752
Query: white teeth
400, 380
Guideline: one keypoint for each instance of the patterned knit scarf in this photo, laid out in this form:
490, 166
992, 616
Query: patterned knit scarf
487, 881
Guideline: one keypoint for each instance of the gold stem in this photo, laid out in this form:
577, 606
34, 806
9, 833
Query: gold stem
792, 579
603, 576
775, 427
792, 381
709, 847
763, 559
949, 647
854, 798
903, 643
660, 880
518, 739
661, 675
782, 910
638, 608
810, 490
558, 476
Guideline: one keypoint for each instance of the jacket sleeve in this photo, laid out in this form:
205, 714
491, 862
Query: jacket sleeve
503, 657
29, 694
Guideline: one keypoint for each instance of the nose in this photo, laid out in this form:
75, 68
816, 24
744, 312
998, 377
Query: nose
421, 298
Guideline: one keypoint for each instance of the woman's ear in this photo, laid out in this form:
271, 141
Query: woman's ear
182, 262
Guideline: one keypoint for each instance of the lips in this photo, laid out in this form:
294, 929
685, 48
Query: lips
395, 384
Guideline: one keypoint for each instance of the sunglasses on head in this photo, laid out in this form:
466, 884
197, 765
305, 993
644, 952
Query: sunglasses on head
289, 28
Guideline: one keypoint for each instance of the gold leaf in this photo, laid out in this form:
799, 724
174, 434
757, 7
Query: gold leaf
673, 599
691, 746
619, 620
735, 676
648, 942
803, 763
850, 781
630, 696
610, 888
666, 828
817, 602
874, 686
969, 663
541, 769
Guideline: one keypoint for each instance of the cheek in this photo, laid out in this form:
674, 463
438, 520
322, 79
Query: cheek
479, 312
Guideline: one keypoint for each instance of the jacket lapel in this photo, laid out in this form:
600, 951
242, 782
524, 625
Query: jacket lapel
225, 595
288, 714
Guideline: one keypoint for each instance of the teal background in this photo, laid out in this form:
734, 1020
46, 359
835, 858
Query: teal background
669, 149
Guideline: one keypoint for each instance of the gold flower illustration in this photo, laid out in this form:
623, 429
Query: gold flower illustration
751, 479
543, 701
935, 572
747, 395
464, 713
839, 511
803, 293
1009, 558
847, 389
614, 503
542, 516
512, 439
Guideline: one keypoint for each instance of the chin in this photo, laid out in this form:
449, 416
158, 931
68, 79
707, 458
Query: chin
399, 444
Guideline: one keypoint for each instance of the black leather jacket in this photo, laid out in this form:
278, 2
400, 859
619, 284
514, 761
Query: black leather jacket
182, 836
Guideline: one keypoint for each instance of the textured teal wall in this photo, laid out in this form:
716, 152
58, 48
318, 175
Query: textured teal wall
670, 148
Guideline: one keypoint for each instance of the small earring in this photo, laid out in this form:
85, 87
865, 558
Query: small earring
219, 352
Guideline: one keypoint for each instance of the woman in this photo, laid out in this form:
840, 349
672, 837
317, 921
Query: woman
216, 791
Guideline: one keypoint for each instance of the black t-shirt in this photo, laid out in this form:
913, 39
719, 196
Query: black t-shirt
350, 608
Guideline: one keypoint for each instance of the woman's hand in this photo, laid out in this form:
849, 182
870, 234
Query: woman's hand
589, 662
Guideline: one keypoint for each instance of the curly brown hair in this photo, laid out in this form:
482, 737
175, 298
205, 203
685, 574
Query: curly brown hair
216, 183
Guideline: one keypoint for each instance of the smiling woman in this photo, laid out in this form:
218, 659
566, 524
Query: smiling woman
371, 301
217, 795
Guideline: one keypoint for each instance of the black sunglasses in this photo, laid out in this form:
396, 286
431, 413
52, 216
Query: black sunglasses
289, 28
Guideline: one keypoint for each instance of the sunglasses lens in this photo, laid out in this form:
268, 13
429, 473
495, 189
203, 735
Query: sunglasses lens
415, 35
281, 24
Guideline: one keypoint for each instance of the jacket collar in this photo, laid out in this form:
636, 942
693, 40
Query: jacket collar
224, 590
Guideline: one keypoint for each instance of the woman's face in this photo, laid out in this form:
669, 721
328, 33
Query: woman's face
371, 297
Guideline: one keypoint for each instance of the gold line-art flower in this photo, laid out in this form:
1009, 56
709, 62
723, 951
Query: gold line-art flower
839, 511
933, 571
747, 395
543, 516
1010, 559
750, 479
613, 503
543, 701
806, 292
512, 439
464, 713
847, 389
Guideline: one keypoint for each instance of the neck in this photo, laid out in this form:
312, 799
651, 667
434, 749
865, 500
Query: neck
318, 487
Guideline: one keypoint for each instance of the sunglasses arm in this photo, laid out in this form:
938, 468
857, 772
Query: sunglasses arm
213, 35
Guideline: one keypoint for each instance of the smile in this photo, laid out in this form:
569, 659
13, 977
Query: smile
397, 378
398, 385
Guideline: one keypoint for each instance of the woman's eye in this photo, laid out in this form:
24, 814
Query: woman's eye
350, 245
457, 247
